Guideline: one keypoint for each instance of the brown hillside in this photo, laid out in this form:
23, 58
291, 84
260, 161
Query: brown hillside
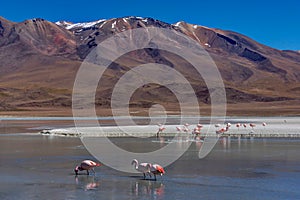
40, 59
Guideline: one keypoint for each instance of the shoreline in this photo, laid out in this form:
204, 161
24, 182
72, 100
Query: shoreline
277, 127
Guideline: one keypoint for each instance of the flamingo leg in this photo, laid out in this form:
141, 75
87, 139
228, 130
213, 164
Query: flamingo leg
87, 172
144, 176
93, 171
155, 177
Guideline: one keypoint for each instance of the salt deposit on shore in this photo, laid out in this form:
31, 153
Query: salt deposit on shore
240, 127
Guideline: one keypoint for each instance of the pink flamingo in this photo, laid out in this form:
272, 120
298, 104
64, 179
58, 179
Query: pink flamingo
142, 167
222, 130
196, 131
264, 124
199, 126
245, 125
238, 126
86, 165
252, 125
160, 129
178, 128
156, 169
185, 127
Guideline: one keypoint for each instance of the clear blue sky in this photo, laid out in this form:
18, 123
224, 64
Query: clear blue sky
276, 24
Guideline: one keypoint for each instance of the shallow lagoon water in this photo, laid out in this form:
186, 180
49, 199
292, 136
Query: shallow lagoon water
34, 166
41, 167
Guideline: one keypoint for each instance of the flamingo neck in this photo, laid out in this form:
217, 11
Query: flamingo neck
135, 163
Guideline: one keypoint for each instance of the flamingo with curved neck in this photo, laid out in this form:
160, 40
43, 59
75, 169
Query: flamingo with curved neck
141, 167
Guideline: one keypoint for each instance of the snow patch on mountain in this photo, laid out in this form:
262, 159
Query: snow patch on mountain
113, 25
63, 23
208, 45
69, 25
177, 24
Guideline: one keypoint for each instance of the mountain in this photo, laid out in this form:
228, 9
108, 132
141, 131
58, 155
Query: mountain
40, 59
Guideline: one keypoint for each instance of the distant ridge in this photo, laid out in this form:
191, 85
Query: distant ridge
39, 61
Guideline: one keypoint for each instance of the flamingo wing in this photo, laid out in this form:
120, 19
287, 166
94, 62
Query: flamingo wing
89, 164
157, 169
143, 167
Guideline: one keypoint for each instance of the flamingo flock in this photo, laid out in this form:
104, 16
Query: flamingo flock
238, 125
149, 169
197, 130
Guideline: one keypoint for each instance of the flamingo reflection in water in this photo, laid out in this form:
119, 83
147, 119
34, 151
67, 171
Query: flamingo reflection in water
148, 187
87, 182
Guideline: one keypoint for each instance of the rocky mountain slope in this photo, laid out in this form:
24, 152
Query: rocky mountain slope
39, 61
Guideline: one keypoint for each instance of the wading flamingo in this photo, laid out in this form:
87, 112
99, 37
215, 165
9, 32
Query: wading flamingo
161, 128
252, 125
86, 165
223, 130
156, 169
184, 128
142, 167
196, 131
178, 128
199, 126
